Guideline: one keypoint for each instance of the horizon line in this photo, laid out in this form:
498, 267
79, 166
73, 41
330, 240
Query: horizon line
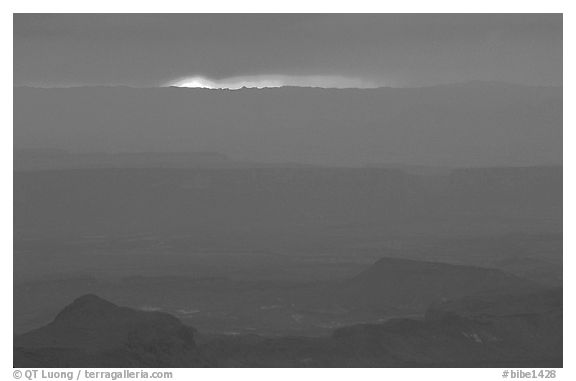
446, 84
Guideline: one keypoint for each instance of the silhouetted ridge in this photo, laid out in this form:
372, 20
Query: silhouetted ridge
92, 331
87, 306
476, 331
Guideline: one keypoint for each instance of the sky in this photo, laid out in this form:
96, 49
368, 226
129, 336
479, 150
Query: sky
261, 50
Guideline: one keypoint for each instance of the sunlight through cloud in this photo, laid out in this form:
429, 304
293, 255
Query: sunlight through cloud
268, 81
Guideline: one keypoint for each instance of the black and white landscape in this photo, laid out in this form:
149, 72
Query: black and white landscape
304, 218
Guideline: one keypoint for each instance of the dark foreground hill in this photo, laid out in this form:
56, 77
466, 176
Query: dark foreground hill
92, 332
477, 332
391, 287
531, 336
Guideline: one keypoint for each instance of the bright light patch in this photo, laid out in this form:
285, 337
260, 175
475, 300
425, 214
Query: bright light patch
196, 82
266, 81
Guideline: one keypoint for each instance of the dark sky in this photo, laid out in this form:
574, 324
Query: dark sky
374, 50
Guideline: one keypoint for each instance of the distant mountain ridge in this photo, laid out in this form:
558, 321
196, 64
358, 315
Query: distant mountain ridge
394, 283
35, 160
458, 125
312, 201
